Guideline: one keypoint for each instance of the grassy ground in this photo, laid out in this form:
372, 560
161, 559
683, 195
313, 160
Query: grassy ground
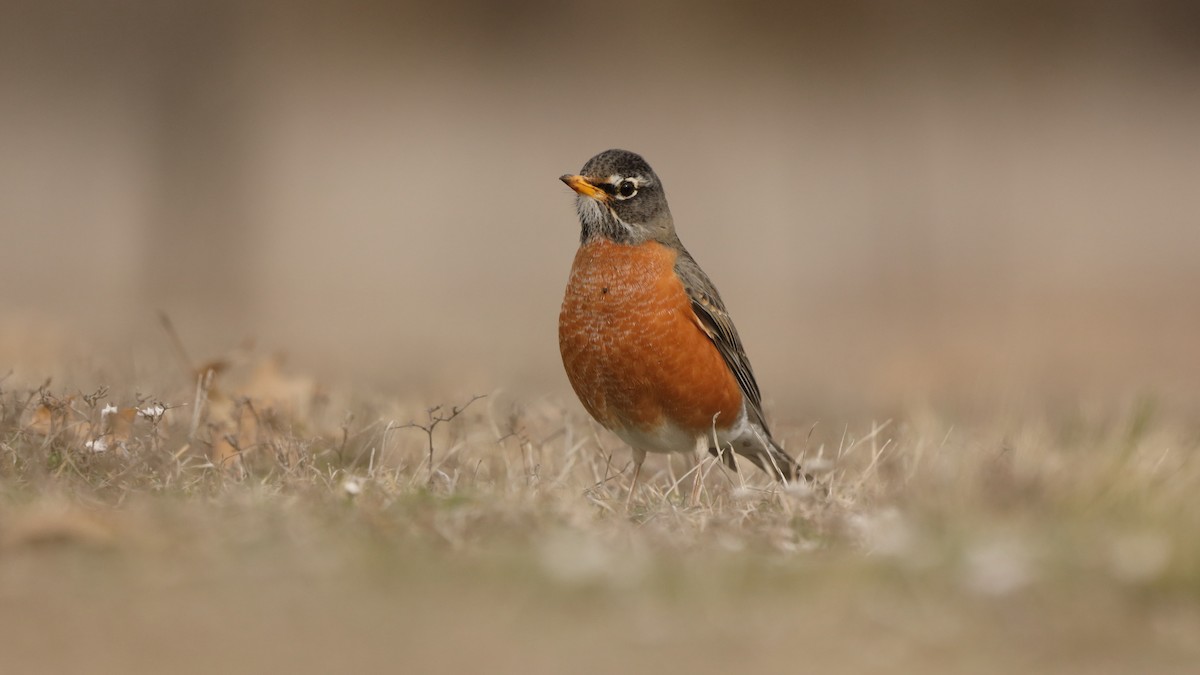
257, 522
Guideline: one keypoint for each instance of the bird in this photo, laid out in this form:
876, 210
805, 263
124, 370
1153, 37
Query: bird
645, 338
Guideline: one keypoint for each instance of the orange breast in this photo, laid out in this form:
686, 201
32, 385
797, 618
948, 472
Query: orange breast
631, 346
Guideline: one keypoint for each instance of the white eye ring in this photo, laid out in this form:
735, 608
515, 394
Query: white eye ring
626, 189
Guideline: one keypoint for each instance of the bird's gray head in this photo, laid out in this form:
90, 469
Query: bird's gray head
620, 198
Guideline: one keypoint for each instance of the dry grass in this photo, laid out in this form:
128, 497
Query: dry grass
278, 525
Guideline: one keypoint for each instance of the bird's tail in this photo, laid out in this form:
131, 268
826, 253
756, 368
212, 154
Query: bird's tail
767, 456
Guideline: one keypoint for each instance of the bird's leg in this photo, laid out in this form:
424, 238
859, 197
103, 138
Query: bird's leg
639, 456
698, 480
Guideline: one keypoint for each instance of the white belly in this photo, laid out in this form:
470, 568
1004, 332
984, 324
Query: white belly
670, 438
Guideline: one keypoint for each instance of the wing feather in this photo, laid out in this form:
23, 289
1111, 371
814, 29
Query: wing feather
711, 316
714, 320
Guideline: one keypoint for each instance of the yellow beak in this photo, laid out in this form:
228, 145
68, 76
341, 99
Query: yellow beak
583, 187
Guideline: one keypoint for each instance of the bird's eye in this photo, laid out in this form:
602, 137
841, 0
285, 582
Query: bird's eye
626, 189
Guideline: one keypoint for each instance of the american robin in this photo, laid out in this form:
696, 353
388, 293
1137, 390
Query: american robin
645, 338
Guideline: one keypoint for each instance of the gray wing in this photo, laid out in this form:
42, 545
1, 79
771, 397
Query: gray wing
714, 320
717, 324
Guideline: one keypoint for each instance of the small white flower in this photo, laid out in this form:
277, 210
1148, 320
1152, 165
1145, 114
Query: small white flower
156, 410
352, 486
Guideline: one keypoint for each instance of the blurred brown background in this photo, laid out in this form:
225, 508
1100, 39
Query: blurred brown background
900, 201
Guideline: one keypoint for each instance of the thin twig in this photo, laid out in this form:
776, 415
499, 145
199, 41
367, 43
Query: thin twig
436, 417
